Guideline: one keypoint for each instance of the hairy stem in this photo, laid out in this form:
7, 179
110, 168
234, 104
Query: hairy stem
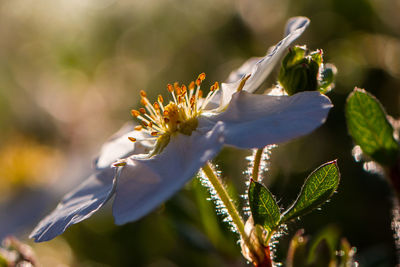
256, 164
227, 201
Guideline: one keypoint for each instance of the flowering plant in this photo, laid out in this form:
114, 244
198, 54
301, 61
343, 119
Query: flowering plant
144, 165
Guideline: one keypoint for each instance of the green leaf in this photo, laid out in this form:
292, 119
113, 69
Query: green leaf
318, 188
368, 125
263, 206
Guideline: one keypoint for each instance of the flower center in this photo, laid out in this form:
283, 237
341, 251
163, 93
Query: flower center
178, 116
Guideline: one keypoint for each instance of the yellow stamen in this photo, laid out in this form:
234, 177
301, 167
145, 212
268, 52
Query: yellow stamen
179, 115
191, 85
119, 164
135, 113
202, 76
242, 83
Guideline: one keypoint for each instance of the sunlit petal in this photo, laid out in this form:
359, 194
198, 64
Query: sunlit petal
246, 68
119, 146
258, 120
260, 68
146, 183
77, 206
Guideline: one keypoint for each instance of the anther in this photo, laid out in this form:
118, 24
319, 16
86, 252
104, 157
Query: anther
135, 113
132, 139
142, 110
138, 128
184, 89
143, 102
154, 133
156, 106
119, 164
198, 81
216, 85
178, 90
143, 93
170, 88
202, 76
176, 85
191, 85
160, 99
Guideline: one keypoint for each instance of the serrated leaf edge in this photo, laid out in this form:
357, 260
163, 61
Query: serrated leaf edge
283, 215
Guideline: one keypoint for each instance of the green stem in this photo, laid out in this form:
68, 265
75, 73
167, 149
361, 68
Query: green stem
256, 164
227, 201
267, 262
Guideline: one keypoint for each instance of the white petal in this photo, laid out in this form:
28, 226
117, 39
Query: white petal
295, 23
246, 68
260, 68
254, 121
146, 183
119, 146
264, 66
77, 206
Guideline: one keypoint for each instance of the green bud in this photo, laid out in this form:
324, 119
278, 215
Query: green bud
295, 55
304, 72
327, 78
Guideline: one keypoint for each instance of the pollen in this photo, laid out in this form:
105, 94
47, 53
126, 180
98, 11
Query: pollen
163, 118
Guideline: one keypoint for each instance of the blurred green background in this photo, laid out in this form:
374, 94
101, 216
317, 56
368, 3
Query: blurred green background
71, 71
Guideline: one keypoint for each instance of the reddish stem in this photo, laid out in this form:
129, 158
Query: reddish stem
394, 176
267, 262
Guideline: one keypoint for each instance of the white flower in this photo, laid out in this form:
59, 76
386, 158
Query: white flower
177, 139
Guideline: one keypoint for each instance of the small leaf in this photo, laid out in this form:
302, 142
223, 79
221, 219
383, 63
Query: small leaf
368, 125
263, 206
318, 188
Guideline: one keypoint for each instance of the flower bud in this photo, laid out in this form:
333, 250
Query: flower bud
302, 72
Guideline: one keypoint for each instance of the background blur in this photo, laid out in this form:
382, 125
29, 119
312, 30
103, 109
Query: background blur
71, 71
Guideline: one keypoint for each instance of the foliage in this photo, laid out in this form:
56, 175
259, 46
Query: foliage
368, 125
